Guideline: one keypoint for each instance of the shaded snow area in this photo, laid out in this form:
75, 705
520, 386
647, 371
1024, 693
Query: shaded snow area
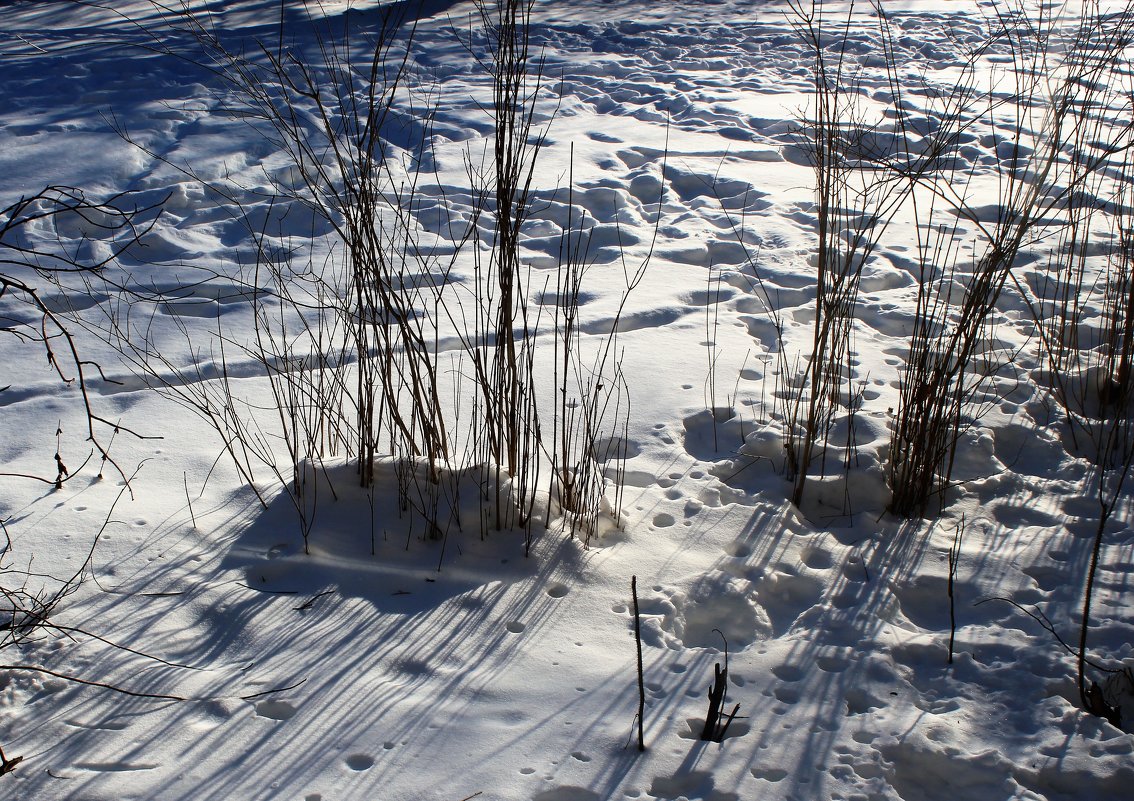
347, 520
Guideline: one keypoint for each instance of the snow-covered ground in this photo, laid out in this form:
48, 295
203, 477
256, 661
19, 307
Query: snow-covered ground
344, 675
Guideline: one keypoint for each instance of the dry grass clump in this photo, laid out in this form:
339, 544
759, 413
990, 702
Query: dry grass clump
1063, 113
382, 351
1063, 184
1061, 141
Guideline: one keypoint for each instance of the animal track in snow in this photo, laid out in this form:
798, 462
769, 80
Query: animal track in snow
710, 297
832, 664
921, 769
693, 784
738, 549
710, 435
567, 793
633, 321
101, 725
1047, 577
718, 604
789, 695
786, 595
607, 448
275, 710
788, 673
769, 774
817, 558
924, 600
116, 767
360, 762
860, 701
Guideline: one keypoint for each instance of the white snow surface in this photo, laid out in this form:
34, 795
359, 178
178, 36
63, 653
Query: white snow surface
340, 675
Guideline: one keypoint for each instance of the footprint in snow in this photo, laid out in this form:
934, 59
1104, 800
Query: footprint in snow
692, 784
275, 710
116, 767
360, 762
832, 664
788, 673
566, 793
770, 774
715, 605
786, 595
817, 558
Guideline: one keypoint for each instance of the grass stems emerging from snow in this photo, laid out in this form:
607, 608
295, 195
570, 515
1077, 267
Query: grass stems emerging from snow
352, 348
362, 374
954, 560
507, 384
717, 720
592, 398
1058, 77
864, 174
326, 116
1083, 302
1111, 427
305, 370
641, 674
1060, 142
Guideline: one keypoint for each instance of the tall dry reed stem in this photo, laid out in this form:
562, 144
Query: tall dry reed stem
856, 199
508, 402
